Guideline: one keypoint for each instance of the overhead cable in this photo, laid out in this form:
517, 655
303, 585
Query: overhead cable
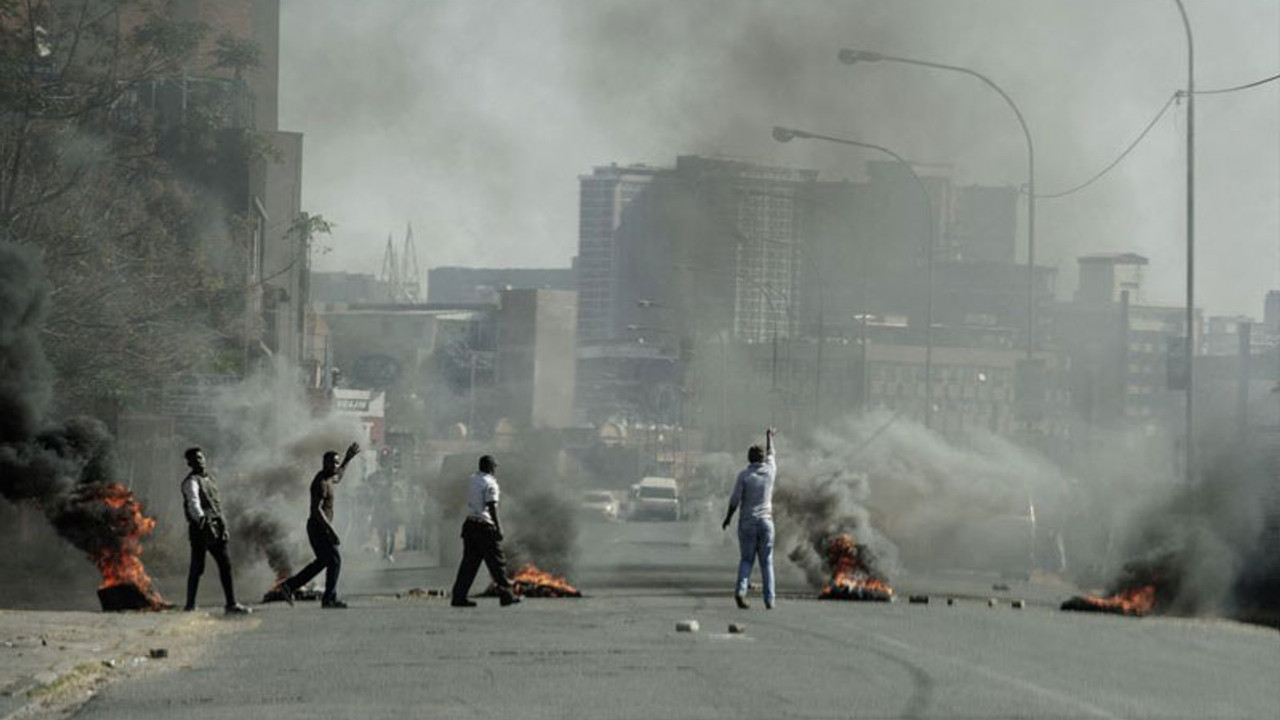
1177, 95
1099, 175
1237, 88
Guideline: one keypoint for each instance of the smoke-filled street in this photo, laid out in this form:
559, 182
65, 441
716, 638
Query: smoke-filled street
617, 654
639, 358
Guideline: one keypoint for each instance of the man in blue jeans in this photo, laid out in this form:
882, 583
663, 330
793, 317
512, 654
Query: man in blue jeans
754, 491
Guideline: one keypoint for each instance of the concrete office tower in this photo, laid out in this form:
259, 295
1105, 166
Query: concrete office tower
1271, 313
536, 351
603, 196
676, 256
760, 224
1104, 277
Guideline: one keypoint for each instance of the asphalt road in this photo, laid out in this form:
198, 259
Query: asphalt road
617, 654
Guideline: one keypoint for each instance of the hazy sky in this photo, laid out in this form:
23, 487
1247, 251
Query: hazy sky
472, 119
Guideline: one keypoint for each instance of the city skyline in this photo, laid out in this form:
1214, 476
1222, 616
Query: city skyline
483, 159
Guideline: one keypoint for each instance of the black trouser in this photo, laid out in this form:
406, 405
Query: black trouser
199, 546
327, 559
480, 542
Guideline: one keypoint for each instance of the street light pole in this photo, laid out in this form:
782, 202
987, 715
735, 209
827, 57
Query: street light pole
849, 57
782, 134
1189, 350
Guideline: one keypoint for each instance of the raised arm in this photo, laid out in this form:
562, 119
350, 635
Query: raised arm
352, 450
768, 448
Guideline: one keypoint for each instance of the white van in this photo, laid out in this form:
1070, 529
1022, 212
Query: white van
656, 497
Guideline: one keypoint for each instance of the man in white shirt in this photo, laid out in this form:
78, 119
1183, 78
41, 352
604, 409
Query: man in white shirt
207, 532
754, 491
482, 538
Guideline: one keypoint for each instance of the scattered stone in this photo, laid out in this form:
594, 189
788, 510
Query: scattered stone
1000, 587
737, 628
918, 599
109, 663
158, 653
688, 626
423, 593
951, 601
991, 602
1019, 604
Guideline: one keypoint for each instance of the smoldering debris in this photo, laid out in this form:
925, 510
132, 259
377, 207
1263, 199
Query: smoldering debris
1207, 549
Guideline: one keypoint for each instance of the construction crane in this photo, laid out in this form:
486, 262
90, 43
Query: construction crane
401, 274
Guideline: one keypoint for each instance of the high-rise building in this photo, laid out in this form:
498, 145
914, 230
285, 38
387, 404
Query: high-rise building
603, 196
709, 247
1104, 277
1271, 313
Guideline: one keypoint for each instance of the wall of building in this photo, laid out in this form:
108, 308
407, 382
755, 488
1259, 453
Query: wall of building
485, 285
537, 356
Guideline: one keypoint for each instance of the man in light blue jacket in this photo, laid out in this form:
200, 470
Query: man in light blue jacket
754, 492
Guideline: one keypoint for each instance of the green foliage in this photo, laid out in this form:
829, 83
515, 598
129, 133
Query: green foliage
235, 54
168, 41
308, 226
129, 202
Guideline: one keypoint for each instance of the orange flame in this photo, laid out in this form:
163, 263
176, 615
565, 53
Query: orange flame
850, 577
1137, 601
532, 582
121, 562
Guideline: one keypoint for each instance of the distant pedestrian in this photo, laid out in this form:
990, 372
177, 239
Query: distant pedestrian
324, 539
386, 508
482, 538
754, 491
207, 532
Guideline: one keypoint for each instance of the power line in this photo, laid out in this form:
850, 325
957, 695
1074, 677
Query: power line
1099, 175
1246, 86
1179, 94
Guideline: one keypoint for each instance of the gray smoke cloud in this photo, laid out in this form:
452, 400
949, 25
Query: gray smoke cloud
910, 497
1209, 549
272, 444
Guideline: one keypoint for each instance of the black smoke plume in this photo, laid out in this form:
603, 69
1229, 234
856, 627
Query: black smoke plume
60, 467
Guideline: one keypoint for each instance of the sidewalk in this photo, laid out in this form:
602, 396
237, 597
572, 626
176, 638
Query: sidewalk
52, 662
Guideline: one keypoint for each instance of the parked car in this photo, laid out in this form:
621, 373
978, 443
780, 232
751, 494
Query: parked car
599, 505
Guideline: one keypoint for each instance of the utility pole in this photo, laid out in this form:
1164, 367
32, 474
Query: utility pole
1189, 460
